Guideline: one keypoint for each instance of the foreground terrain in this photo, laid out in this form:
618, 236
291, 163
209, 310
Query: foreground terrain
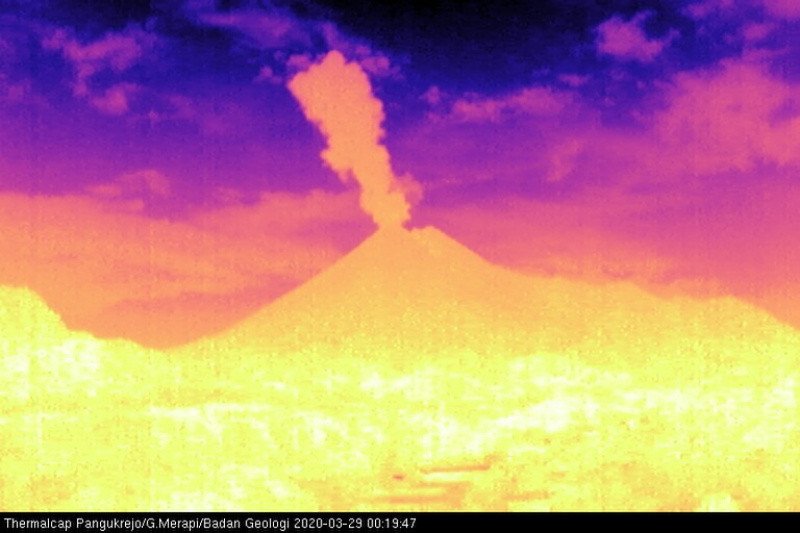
539, 432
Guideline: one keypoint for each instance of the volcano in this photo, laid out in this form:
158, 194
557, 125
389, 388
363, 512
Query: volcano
411, 374
416, 294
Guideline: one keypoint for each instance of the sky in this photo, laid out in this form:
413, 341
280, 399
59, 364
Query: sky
168, 166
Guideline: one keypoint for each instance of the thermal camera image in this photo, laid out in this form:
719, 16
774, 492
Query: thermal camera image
316, 255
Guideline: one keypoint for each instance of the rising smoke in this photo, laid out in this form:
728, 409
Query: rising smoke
337, 97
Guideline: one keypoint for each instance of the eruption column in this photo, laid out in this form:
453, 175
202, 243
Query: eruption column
337, 97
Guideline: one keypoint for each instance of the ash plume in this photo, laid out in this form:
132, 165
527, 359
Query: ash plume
337, 97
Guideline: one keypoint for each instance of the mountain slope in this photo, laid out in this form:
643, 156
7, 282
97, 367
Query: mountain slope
418, 294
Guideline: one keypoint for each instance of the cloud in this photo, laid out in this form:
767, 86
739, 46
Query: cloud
756, 32
299, 62
731, 117
433, 96
374, 63
337, 97
573, 80
705, 8
266, 29
116, 99
531, 101
115, 52
267, 75
295, 41
744, 9
735, 120
562, 159
626, 39
783, 9
530, 139
142, 183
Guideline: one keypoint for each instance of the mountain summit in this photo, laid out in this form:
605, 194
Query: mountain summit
419, 293
399, 289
